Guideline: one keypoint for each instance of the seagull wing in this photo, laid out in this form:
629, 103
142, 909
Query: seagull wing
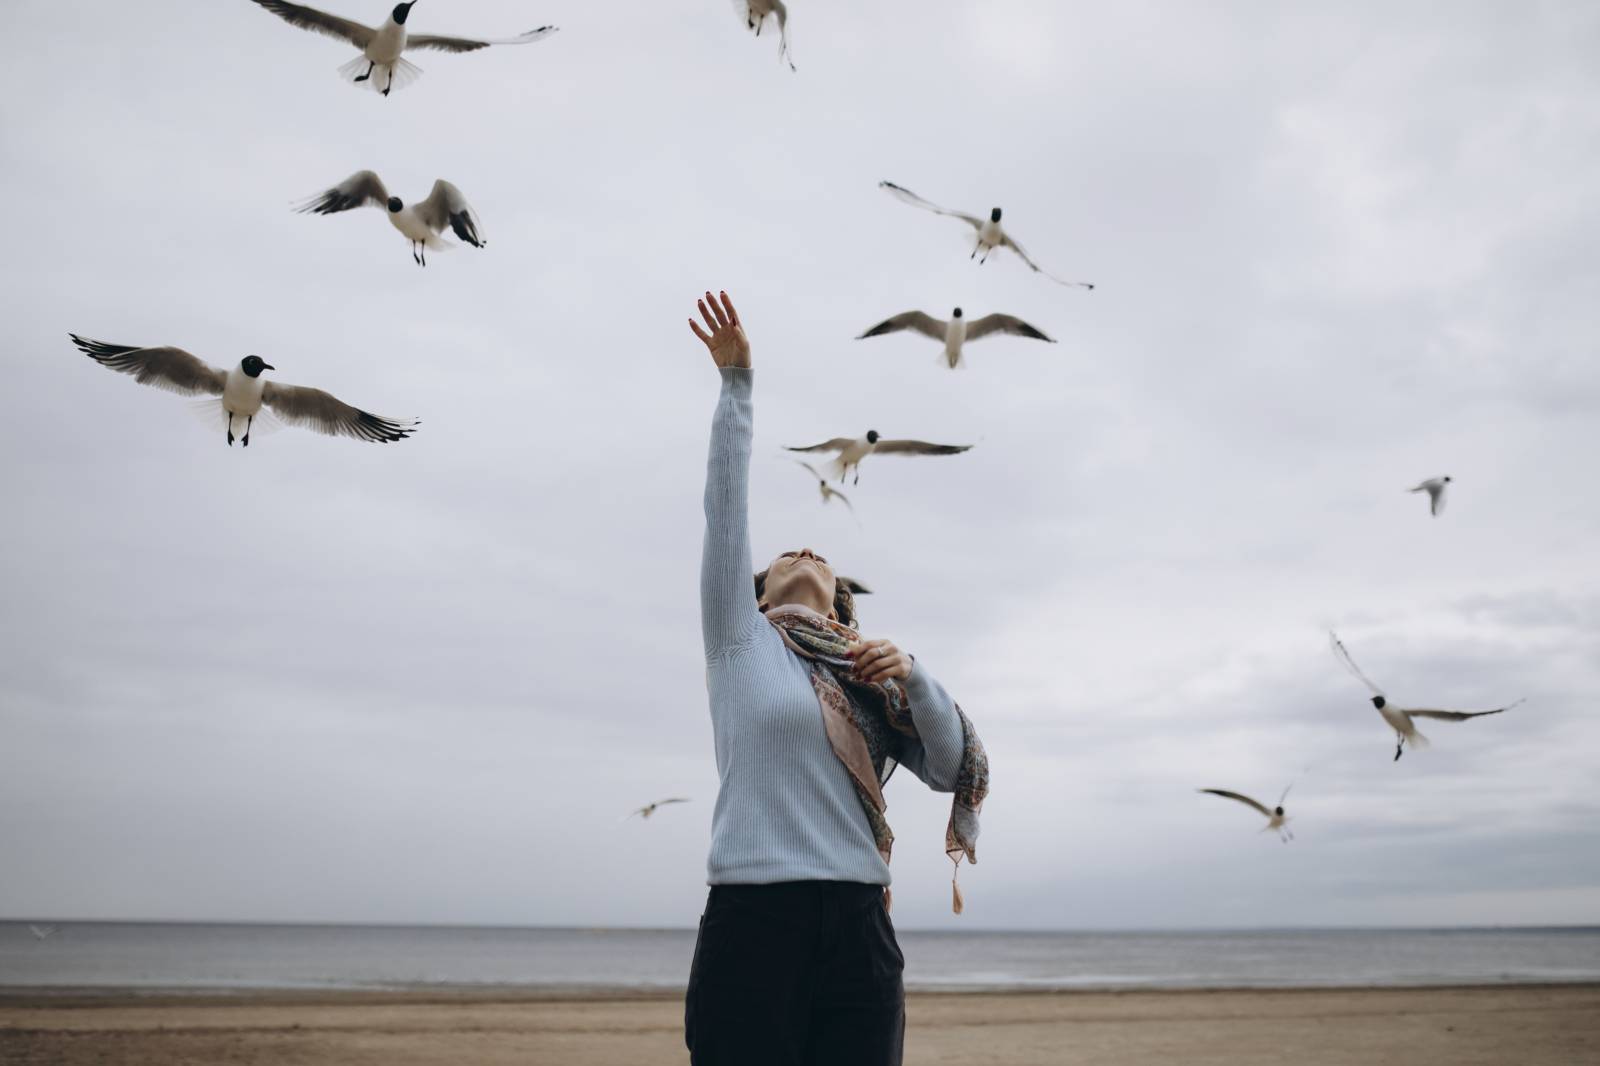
361, 189
928, 205
445, 206
926, 325
917, 447
837, 444
808, 466
1436, 500
172, 369
1343, 655
1225, 794
982, 327
317, 410
1459, 716
674, 799
1037, 269
471, 44
309, 18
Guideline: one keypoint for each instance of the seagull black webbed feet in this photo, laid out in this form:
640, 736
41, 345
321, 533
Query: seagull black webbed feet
368, 74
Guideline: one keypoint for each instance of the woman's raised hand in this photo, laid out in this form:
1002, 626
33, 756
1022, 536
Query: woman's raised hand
726, 342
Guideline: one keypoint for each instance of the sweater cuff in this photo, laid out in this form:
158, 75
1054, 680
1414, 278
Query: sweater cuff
737, 376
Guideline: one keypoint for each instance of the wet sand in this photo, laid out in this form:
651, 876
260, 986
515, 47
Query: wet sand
1527, 1025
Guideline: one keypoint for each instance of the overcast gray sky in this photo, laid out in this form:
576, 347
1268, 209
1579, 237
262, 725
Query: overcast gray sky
1338, 250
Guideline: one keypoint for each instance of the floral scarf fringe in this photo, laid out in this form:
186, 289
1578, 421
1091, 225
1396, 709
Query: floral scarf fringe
862, 720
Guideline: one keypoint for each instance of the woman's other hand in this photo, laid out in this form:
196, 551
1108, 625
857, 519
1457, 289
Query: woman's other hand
726, 342
879, 660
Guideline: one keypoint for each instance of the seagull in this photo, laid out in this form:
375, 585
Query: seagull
1276, 819
41, 932
956, 331
852, 451
380, 66
243, 392
756, 13
650, 808
1434, 487
1400, 718
421, 223
827, 490
990, 234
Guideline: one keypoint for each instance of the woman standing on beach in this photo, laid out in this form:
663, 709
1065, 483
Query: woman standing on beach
796, 961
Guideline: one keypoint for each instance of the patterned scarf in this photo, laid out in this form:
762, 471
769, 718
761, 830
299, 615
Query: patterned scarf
862, 720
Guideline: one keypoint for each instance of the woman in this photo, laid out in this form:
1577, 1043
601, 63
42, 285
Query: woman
796, 960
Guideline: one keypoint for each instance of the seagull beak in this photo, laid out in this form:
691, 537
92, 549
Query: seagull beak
268, 366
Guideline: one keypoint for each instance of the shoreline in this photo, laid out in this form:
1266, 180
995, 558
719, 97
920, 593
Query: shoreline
1529, 1024
23, 996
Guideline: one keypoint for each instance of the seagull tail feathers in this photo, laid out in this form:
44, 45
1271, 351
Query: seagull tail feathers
384, 76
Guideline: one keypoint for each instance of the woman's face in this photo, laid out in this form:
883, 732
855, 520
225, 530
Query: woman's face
799, 577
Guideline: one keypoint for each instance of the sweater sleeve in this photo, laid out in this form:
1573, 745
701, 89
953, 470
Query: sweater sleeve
728, 613
936, 755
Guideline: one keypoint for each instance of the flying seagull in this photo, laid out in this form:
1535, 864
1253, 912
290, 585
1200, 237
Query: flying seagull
828, 491
1434, 487
421, 223
756, 15
955, 332
650, 808
1276, 819
853, 450
243, 392
1400, 718
41, 932
989, 232
381, 66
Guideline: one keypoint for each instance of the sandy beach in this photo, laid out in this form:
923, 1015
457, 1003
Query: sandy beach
1527, 1025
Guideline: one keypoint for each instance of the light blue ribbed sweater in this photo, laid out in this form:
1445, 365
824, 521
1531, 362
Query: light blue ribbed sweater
786, 809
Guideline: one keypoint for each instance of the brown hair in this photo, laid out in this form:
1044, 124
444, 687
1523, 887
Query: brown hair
844, 601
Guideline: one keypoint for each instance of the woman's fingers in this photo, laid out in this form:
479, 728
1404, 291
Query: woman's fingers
716, 309
705, 338
733, 316
711, 323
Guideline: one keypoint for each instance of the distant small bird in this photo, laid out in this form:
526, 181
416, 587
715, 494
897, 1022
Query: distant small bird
990, 233
955, 332
1400, 718
828, 491
243, 392
1276, 819
380, 66
421, 223
41, 932
756, 14
854, 449
1434, 487
650, 808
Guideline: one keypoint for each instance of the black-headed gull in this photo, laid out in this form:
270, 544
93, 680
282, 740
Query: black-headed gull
422, 223
243, 392
828, 491
990, 233
954, 333
381, 65
1434, 487
1276, 819
650, 808
758, 13
854, 449
1400, 718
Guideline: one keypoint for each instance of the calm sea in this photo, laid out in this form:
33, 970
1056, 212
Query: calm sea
82, 955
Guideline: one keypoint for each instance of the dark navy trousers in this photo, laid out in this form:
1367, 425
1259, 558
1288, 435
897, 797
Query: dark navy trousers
800, 973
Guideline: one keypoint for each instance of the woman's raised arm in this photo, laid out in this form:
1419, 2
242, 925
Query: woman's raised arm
728, 613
